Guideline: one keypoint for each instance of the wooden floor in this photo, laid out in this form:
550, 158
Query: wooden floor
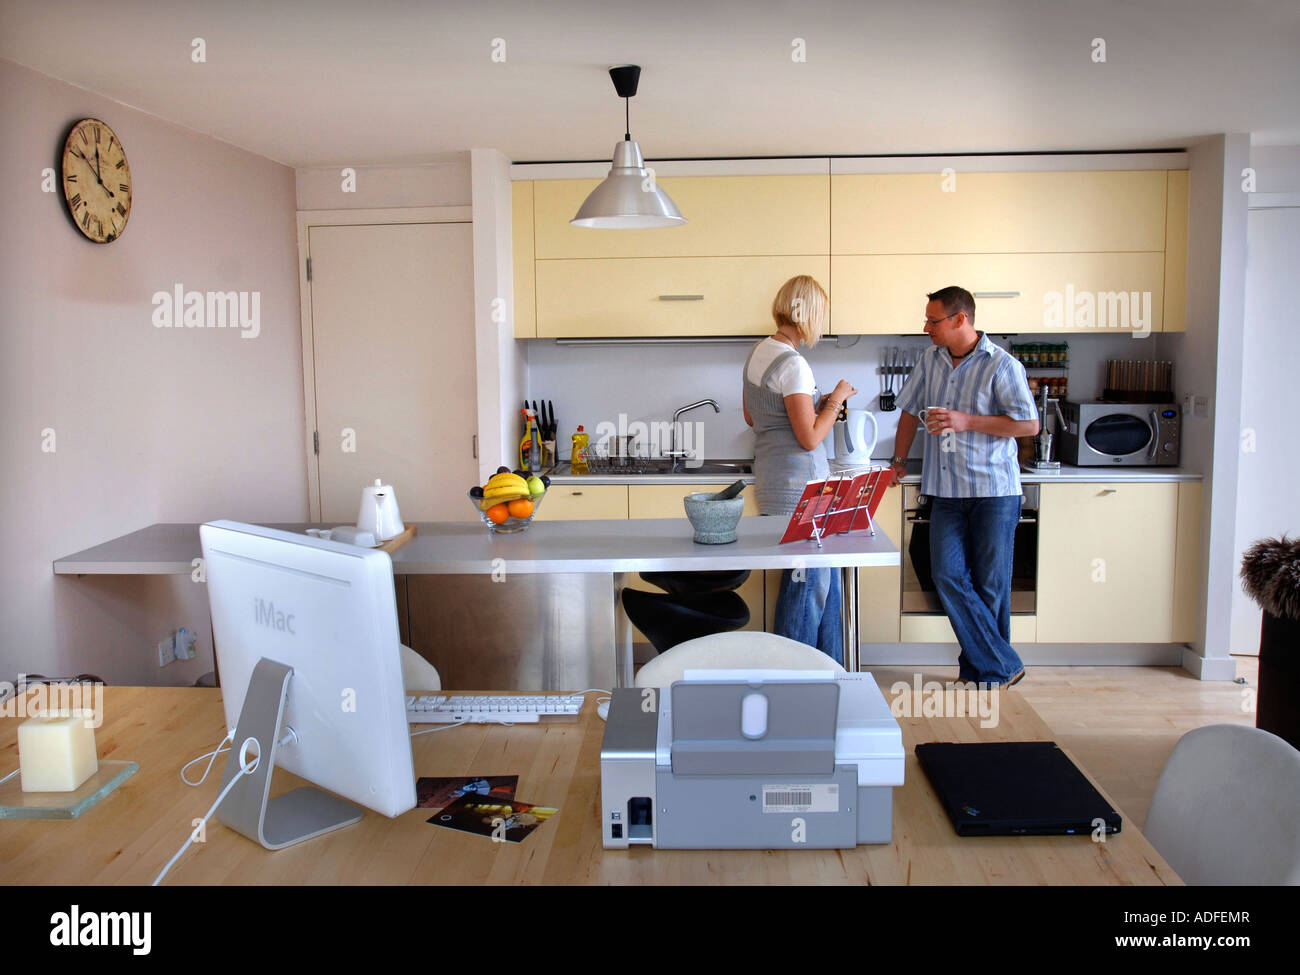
1121, 723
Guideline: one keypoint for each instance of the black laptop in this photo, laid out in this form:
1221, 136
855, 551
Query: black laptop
1014, 788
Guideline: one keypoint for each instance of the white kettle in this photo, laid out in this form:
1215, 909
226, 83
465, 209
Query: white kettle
378, 513
855, 437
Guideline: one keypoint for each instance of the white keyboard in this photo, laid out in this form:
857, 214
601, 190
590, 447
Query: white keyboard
490, 709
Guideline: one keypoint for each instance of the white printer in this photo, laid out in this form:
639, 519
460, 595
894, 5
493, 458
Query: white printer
750, 760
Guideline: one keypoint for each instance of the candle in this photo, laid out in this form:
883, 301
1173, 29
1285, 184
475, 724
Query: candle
56, 753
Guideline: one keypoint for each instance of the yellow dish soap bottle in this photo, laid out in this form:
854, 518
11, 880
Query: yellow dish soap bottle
578, 457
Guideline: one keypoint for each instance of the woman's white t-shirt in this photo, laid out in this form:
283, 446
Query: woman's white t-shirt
793, 376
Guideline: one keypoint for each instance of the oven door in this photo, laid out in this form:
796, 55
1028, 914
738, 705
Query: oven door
919, 595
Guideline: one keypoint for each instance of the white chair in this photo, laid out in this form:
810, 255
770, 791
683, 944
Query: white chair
1227, 808
417, 673
740, 650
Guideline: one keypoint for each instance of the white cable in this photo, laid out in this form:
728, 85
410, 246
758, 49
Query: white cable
441, 727
10, 776
220, 750
248, 768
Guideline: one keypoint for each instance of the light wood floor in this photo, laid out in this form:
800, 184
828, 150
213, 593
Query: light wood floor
1121, 723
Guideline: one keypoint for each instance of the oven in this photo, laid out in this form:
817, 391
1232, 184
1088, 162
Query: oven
1127, 434
919, 595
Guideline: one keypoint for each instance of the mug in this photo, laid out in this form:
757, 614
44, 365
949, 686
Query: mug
925, 412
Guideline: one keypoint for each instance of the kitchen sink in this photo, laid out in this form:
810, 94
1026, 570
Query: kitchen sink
730, 468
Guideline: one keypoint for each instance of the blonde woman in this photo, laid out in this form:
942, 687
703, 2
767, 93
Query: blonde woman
790, 421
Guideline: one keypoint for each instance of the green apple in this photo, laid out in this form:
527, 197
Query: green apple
535, 486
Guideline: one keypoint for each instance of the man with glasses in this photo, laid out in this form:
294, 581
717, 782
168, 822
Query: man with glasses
975, 401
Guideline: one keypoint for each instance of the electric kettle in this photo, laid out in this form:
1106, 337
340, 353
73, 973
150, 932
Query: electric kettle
378, 513
855, 437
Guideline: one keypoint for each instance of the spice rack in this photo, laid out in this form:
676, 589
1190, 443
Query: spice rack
1045, 357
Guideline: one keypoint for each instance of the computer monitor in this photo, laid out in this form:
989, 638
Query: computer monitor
309, 655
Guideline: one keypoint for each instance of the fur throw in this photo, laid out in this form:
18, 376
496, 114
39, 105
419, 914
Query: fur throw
1270, 574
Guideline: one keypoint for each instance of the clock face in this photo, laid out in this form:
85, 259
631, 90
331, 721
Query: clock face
96, 181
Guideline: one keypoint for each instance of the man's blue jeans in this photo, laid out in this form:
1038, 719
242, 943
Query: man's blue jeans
808, 610
971, 544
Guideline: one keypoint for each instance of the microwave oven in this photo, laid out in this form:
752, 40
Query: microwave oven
1120, 434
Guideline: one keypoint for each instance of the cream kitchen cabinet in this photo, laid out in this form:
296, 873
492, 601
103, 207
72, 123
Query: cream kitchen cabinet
1117, 561
727, 216
885, 294
525, 275
580, 502
679, 296
998, 213
880, 588
665, 501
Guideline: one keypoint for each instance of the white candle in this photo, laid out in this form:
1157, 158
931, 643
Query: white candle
56, 753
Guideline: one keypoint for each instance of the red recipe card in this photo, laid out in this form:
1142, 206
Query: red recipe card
837, 504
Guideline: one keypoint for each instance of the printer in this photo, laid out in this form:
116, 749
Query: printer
754, 759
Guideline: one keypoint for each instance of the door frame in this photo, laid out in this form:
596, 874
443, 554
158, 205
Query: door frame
307, 219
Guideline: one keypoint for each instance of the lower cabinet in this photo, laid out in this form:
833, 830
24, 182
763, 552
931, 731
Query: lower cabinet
1117, 562
880, 588
582, 502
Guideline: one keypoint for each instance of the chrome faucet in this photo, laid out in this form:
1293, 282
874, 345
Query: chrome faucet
674, 453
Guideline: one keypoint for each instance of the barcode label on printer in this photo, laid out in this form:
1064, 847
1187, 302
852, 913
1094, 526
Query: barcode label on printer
801, 798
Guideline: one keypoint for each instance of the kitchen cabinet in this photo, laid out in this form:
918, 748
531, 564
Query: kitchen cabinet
582, 502
665, 501
1187, 563
1176, 252
885, 294
998, 213
1109, 565
727, 216
525, 305
936, 629
688, 296
880, 589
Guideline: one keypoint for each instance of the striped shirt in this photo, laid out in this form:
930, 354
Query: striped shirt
988, 382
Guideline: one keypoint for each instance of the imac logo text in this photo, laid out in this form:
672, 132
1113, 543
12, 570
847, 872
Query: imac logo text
267, 615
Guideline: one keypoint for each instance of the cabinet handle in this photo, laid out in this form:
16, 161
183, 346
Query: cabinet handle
575, 494
681, 297
996, 294
1106, 491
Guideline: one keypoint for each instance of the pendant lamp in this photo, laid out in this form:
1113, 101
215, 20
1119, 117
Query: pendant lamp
628, 199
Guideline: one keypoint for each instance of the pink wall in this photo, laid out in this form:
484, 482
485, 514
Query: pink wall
151, 424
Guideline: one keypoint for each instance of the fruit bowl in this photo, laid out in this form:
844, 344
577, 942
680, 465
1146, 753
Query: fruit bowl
502, 522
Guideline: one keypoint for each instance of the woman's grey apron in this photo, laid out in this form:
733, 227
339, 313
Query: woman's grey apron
781, 466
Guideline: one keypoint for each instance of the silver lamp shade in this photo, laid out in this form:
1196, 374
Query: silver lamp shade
628, 199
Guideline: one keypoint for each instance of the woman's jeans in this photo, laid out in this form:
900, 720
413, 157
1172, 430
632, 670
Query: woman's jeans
808, 610
971, 544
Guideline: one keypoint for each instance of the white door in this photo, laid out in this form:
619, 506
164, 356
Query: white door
392, 311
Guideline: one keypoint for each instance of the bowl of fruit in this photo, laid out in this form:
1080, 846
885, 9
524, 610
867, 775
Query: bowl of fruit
509, 500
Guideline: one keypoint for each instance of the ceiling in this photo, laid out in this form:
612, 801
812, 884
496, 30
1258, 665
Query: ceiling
338, 82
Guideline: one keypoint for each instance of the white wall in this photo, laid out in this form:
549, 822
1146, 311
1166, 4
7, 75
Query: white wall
1268, 486
443, 182
151, 425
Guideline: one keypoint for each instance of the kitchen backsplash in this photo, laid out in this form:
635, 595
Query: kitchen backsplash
639, 386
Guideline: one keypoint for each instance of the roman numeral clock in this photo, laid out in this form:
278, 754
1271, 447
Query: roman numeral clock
96, 181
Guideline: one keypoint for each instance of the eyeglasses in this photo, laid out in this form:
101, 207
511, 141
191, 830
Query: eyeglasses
932, 322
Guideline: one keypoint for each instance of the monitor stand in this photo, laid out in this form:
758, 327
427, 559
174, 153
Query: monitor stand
290, 818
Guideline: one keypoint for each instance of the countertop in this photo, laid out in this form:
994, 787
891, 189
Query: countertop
1068, 472
467, 548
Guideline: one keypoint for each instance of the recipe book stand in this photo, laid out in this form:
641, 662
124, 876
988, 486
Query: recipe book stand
839, 504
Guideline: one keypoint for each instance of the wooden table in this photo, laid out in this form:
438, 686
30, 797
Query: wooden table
129, 836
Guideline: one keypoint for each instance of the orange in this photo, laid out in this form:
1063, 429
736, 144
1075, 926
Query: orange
520, 508
497, 514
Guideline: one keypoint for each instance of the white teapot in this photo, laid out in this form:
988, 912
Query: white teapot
378, 514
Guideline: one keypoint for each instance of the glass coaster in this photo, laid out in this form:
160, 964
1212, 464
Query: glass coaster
17, 804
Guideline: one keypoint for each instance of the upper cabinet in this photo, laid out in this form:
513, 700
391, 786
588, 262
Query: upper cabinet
727, 216
1071, 252
998, 213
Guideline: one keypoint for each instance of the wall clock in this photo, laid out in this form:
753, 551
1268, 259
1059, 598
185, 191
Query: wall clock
96, 180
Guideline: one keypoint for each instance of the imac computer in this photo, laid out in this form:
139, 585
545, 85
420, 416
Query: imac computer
311, 674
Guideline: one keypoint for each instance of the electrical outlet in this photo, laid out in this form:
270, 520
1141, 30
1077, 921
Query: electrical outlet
167, 650
184, 643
